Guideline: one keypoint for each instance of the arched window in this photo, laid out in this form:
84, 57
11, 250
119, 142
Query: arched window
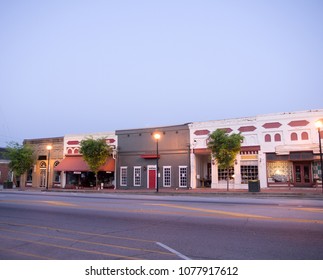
293, 136
69, 151
267, 138
57, 177
304, 136
76, 151
278, 138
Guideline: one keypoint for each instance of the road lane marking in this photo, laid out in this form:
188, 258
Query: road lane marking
40, 202
25, 254
70, 248
198, 211
195, 211
58, 203
232, 214
88, 242
180, 255
240, 215
315, 210
79, 232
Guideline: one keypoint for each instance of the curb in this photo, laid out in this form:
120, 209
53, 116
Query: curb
282, 193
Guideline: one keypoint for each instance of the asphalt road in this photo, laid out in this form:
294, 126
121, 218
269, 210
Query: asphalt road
74, 226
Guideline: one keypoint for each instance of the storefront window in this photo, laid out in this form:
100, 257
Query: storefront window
87, 179
249, 172
57, 174
317, 170
279, 171
223, 174
30, 175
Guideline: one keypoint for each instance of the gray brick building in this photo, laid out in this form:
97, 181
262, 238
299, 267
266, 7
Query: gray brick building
137, 158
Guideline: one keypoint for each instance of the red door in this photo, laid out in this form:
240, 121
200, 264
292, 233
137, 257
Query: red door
151, 178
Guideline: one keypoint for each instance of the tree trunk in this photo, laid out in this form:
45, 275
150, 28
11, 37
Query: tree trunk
228, 179
96, 180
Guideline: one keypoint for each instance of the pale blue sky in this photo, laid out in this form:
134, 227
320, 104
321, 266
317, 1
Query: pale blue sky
91, 66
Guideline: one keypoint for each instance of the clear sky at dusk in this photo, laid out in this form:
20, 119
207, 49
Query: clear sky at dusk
91, 66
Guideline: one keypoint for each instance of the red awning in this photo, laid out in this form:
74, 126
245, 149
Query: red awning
149, 156
250, 149
77, 163
202, 151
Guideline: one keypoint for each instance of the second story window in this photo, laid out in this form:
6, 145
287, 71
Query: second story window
304, 136
294, 136
278, 138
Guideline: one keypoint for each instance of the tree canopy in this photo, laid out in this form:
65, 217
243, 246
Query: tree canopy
224, 148
95, 152
21, 158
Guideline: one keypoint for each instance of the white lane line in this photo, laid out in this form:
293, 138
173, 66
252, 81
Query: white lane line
173, 251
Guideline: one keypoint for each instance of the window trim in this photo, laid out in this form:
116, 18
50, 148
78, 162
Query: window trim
123, 168
179, 176
134, 176
170, 176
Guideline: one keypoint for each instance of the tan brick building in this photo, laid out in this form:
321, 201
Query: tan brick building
45, 160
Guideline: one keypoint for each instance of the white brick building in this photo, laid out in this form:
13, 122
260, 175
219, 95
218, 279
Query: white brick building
278, 149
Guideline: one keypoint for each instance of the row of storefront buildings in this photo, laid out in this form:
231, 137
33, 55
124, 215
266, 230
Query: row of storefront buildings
279, 150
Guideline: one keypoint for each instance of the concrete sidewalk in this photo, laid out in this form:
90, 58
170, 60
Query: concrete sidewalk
266, 192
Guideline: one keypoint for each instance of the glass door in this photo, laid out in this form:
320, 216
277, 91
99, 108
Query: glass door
303, 174
42, 178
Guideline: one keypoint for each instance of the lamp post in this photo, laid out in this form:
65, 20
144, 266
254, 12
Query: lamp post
157, 137
319, 125
49, 147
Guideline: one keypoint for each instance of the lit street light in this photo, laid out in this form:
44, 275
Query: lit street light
319, 125
157, 137
49, 147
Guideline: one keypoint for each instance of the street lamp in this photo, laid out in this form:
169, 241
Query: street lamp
319, 125
157, 137
49, 147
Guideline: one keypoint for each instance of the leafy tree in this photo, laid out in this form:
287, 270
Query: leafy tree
21, 158
95, 153
224, 148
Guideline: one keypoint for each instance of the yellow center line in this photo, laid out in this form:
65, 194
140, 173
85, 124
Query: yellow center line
232, 214
239, 215
70, 248
25, 254
315, 210
47, 202
88, 242
79, 232
58, 203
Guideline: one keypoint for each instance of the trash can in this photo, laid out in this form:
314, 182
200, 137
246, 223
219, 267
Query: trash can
254, 186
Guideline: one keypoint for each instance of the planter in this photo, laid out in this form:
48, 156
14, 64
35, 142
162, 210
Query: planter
8, 185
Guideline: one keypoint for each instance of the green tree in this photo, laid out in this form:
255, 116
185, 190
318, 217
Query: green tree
224, 148
95, 152
21, 158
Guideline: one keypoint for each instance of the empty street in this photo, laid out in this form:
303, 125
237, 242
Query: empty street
72, 226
